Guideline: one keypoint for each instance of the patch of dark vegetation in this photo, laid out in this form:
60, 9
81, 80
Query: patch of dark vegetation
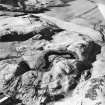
60, 5
15, 37
36, 10
96, 49
31, 10
1, 95
22, 68
67, 1
11, 101
47, 33
51, 98
9, 57
72, 55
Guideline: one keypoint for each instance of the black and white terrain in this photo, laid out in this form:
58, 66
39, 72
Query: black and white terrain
52, 52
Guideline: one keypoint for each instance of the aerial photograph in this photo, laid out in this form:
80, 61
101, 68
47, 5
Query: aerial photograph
52, 52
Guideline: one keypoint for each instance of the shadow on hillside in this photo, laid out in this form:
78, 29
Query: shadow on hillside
61, 5
67, 1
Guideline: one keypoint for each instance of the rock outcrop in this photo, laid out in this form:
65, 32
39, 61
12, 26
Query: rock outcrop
45, 60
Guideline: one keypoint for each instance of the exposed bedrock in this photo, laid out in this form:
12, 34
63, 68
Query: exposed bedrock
45, 60
47, 71
42, 61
